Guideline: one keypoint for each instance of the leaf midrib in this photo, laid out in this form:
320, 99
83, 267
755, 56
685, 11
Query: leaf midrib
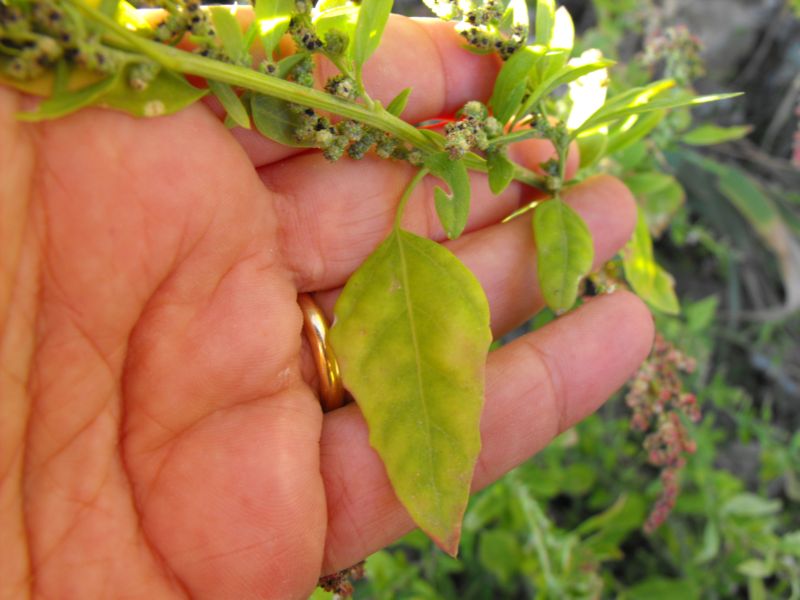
418, 360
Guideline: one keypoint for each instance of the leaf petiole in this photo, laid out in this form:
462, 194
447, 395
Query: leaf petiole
401, 207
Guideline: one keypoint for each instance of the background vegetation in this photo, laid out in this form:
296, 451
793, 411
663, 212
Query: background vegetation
719, 191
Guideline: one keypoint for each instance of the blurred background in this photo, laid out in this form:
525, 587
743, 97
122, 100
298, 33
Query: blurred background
686, 484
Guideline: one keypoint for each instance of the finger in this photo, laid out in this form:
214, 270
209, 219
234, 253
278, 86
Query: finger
334, 220
426, 55
503, 256
529, 400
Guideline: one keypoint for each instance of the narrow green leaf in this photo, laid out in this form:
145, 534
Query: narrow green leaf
273, 18
229, 31
511, 83
372, 18
453, 208
564, 252
65, 102
592, 146
563, 76
398, 103
501, 171
108, 7
545, 21
230, 102
168, 93
660, 104
648, 279
749, 505
411, 333
710, 134
660, 195
623, 137
755, 568
273, 119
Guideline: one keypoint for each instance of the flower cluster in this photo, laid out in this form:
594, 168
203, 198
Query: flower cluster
473, 130
678, 50
658, 402
479, 24
341, 583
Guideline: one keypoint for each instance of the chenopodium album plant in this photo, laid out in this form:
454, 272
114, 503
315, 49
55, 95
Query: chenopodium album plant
411, 327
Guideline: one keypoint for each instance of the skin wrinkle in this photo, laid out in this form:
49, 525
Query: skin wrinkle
554, 382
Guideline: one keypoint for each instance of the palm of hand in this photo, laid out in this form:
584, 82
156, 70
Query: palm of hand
160, 435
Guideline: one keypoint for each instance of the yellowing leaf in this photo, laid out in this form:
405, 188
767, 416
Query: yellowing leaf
648, 279
564, 252
412, 333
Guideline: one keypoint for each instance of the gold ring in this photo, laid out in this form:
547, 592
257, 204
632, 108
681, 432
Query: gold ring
331, 390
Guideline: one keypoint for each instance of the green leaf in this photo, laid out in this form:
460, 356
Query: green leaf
411, 333
516, 13
501, 171
453, 208
66, 102
755, 568
564, 252
660, 196
711, 544
648, 279
710, 134
750, 505
231, 102
661, 588
500, 554
511, 83
623, 137
545, 21
168, 93
273, 18
592, 146
609, 116
108, 7
229, 31
273, 119
372, 18
561, 77
398, 103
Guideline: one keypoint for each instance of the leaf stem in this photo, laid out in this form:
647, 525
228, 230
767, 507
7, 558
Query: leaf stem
401, 207
192, 64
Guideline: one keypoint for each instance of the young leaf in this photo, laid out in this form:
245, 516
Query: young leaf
230, 102
511, 83
710, 134
660, 196
648, 279
166, 94
545, 21
563, 76
411, 333
604, 116
372, 18
273, 18
398, 103
273, 119
501, 171
65, 102
229, 31
453, 208
564, 252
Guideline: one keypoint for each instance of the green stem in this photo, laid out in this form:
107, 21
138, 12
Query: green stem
191, 64
401, 207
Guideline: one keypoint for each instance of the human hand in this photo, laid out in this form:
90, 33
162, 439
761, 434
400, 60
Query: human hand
159, 430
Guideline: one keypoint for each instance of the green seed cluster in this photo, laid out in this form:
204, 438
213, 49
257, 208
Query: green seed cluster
35, 35
474, 130
479, 25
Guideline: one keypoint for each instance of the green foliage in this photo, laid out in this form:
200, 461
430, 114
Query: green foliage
564, 252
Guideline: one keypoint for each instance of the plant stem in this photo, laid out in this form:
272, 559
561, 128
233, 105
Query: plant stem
187, 63
401, 207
